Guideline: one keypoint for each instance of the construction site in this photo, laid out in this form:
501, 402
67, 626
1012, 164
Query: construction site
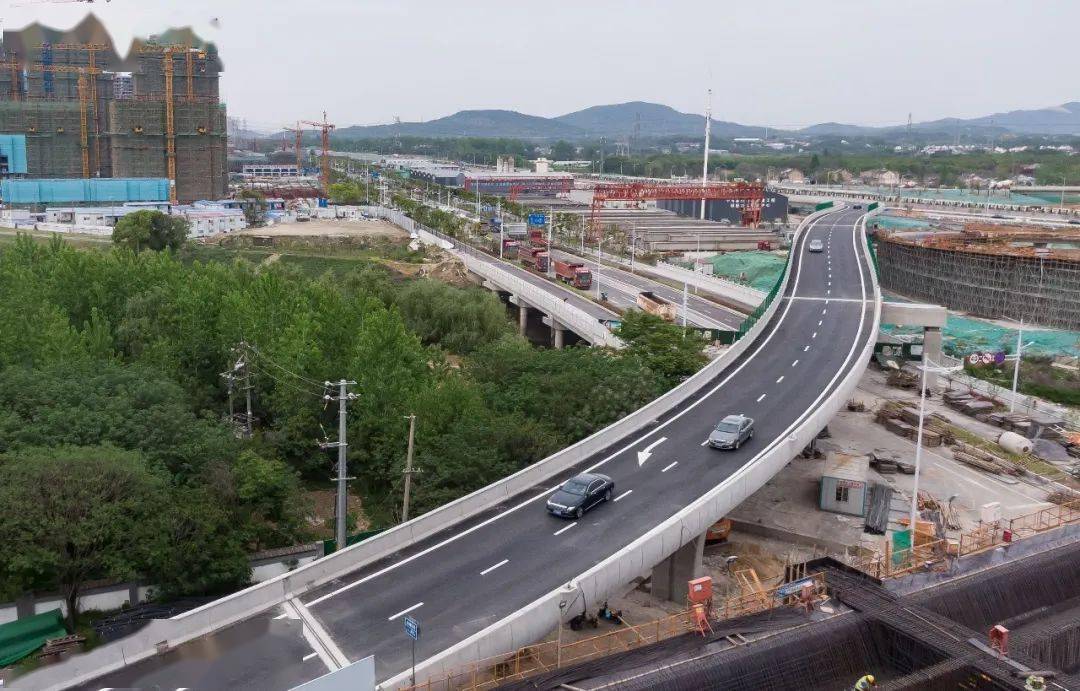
84, 112
993, 271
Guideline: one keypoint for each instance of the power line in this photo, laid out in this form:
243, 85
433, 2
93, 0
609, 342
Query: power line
287, 383
282, 368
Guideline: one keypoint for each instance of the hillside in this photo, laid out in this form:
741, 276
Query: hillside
472, 123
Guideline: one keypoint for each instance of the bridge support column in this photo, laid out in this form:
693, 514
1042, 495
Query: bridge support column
931, 352
523, 316
669, 577
558, 334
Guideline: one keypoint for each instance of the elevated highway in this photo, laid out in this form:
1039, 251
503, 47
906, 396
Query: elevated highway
486, 573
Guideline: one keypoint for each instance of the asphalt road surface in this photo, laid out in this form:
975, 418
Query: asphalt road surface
479, 571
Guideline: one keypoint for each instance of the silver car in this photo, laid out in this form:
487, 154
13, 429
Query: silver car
731, 432
816, 245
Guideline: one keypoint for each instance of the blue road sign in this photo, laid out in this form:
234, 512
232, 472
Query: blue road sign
537, 219
412, 627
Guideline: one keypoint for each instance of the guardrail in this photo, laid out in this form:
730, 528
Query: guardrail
579, 321
535, 620
161, 635
741, 296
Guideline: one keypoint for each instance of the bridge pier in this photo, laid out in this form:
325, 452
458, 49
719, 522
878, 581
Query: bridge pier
931, 353
523, 316
670, 577
558, 334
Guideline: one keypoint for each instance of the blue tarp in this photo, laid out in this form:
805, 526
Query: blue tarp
78, 190
13, 146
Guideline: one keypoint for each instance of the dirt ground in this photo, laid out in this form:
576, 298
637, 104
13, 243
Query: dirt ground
321, 519
330, 228
441, 267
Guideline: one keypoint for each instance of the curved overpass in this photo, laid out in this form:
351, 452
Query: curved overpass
487, 582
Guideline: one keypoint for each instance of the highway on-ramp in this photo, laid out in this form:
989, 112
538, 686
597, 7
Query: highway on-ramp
477, 572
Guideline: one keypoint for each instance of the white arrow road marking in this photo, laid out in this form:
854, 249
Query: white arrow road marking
644, 455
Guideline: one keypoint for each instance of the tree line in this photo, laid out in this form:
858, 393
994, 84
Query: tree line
116, 457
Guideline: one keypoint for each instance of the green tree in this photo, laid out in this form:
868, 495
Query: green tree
662, 347
73, 514
254, 206
149, 229
346, 193
562, 151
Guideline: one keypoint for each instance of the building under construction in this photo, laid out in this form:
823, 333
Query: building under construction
996, 272
87, 113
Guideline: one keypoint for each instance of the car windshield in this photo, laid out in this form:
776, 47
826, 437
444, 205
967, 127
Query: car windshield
575, 487
727, 427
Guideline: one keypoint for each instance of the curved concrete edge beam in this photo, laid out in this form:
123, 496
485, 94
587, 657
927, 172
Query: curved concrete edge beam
246, 603
536, 620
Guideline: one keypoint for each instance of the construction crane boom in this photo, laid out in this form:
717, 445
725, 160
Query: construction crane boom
298, 132
326, 127
91, 49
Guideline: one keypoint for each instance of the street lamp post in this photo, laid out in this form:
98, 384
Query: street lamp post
927, 367
1016, 357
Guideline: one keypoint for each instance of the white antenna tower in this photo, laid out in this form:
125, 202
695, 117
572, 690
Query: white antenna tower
705, 166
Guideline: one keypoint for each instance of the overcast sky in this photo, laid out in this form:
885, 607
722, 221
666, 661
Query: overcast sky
783, 63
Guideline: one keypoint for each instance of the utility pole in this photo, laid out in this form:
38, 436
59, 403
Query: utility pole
599, 246
408, 469
705, 168
633, 245
342, 398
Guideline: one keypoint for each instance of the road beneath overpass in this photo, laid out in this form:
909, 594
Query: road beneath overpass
477, 572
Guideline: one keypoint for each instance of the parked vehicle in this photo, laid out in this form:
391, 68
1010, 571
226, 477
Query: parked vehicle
515, 230
654, 304
510, 247
536, 237
535, 258
816, 246
579, 494
573, 273
731, 432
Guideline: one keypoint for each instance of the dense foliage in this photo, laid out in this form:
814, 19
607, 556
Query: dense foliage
110, 367
150, 229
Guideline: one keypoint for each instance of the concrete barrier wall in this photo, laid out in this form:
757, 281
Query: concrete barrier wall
537, 619
250, 601
735, 294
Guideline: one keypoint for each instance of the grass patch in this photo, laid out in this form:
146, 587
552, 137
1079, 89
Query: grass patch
1037, 378
1026, 461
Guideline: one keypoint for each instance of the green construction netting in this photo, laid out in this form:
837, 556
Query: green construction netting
965, 335
759, 269
953, 194
897, 222
20, 638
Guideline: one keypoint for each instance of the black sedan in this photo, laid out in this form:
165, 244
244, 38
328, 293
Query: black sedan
579, 494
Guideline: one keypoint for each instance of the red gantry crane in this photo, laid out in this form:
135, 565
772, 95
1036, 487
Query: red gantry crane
749, 197
326, 127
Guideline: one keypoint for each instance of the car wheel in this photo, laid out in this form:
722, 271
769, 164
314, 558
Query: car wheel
738, 443
578, 512
607, 495
751, 434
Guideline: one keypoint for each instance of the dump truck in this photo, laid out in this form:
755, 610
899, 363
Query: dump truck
536, 237
573, 273
654, 304
535, 258
515, 230
509, 247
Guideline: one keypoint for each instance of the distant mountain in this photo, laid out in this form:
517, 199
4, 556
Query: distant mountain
652, 120
472, 123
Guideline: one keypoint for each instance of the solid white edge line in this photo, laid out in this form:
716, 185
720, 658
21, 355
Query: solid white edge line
560, 531
670, 466
405, 611
631, 445
624, 494
492, 568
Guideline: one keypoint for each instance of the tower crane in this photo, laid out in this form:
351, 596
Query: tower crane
91, 49
326, 127
298, 131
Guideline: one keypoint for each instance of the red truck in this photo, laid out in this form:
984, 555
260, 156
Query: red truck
573, 273
535, 258
509, 248
536, 237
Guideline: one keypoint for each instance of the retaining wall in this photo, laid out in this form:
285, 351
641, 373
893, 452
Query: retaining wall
537, 619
